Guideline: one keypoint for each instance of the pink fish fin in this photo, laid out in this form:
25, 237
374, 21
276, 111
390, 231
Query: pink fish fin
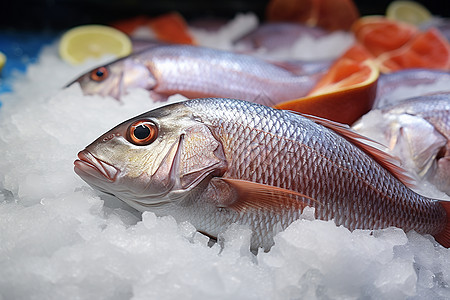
443, 237
299, 68
295, 69
251, 195
370, 147
264, 99
157, 97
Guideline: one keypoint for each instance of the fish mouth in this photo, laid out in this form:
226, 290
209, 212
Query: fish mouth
88, 164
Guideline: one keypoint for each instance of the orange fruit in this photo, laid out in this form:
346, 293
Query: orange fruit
328, 14
345, 93
379, 34
337, 14
171, 28
358, 53
398, 45
128, 26
346, 71
427, 49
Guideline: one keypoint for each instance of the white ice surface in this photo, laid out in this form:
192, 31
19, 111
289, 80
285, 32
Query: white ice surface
59, 239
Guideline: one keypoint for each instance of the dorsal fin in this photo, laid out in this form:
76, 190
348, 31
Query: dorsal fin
252, 195
264, 99
386, 160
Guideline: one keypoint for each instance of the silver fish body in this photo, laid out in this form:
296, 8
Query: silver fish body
395, 87
192, 71
272, 36
214, 162
418, 131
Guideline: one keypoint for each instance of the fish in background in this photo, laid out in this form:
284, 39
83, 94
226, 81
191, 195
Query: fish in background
442, 24
214, 162
197, 72
404, 84
279, 35
418, 131
295, 66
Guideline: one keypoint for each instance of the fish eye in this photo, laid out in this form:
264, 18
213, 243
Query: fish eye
142, 133
99, 74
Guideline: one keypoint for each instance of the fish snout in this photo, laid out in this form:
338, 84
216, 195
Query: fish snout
87, 165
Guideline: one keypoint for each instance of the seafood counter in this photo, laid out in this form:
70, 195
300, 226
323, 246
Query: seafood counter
244, 159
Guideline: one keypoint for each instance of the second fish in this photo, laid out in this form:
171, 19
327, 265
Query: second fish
194, 72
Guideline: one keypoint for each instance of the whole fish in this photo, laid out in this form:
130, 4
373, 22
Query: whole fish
418, 131
214, 162
197, 72
276, 35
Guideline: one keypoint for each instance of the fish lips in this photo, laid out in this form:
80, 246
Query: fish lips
87, 165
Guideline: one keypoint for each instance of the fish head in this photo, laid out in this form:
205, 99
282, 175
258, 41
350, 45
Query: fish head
161, 157
116, 78
409, 137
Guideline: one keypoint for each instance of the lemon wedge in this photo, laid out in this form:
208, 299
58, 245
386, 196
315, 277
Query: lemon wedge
93, 41
408, 11
2, 60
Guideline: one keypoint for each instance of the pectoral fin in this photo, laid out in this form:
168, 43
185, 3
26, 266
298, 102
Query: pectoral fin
256, 196
201, 155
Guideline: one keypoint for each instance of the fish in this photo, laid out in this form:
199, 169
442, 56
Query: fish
395, 87
277, 35
215, 162
418, 131
196, 72
297, 67
442, 24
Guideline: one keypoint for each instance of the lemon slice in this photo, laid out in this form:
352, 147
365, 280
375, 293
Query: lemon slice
408, 11
93, 41
2, 60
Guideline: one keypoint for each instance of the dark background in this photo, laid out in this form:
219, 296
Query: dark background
61, 14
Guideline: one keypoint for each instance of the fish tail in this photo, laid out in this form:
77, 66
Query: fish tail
443, 237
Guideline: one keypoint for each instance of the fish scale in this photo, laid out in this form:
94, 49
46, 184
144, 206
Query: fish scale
362, 165
298, 163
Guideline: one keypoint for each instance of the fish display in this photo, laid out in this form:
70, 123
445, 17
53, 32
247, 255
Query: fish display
418, 131
197, 72
214, 162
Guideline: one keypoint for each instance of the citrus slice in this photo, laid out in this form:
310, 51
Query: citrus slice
328, 14
129, 26
427, 49
397, 45
2, 60
408, 11
347, 71
345, 93
93, 41
171, 28
379, 34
